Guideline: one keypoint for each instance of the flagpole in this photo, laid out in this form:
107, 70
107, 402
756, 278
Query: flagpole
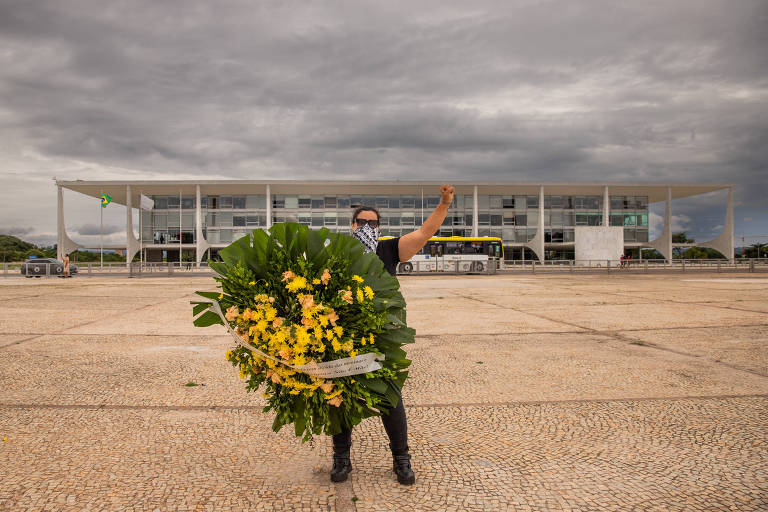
101, 236
141, 232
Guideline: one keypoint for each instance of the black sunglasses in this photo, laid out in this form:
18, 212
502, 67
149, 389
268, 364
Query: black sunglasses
373, 222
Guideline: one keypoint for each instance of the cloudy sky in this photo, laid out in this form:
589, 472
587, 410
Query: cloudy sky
671, 90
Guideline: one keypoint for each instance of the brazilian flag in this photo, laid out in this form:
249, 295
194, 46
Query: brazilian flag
105, 200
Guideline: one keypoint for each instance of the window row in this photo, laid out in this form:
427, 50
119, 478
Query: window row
511, 235
461, 201
162, 221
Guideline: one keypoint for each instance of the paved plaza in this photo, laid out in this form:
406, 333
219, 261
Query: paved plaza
529, 392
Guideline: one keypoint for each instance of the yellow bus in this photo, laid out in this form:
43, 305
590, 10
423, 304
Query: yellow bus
455, 254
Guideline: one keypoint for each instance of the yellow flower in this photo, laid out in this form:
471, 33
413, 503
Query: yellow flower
323, 319
360, 295
339, 330
353, 353
357, 278
315, 281
334, 394
228, 355
368, 292
347, 346
326, 277
221, 296
296, 284
265, 394
370, 339
252, 283
336, 345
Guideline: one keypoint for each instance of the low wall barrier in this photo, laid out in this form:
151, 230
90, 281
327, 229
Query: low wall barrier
750, 265
165, 269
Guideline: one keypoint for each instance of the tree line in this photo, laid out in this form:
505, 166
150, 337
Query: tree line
15, 249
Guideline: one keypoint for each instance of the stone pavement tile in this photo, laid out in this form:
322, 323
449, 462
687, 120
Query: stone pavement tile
149, 459
467, 316
169, 316
577, 456
654, 455
413, 283
560, 367
75, 302
125, 287
10, 339
122, 370
758, 305
660, 315
745, 347
535, 301
33, 320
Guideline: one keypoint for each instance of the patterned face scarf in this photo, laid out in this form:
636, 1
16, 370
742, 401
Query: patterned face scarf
368, 236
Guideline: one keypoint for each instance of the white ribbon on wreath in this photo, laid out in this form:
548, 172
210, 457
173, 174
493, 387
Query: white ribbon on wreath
345, 367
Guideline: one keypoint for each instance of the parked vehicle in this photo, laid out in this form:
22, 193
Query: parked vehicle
39, 267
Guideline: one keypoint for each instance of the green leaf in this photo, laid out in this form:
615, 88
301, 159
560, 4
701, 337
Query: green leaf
299, 417
200, 307
207, 319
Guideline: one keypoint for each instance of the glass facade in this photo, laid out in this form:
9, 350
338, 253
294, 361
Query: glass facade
513, 218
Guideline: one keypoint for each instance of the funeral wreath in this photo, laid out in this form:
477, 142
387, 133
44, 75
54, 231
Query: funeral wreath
318, 325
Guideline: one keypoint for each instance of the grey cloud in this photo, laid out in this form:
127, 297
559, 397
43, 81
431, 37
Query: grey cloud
16, 231
94, 229
645, 91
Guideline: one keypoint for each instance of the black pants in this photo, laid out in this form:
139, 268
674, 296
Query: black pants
395, 424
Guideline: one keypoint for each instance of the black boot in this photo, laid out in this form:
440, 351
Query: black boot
341, 467
401, 465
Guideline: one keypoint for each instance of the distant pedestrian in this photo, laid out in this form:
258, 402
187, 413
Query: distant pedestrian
622, 259
66, 266
628, 260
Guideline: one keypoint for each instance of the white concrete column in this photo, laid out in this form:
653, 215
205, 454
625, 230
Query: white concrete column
606, 207
541, 224
269, 206
131, 243
201, 244
663, 244
60, 225
537, 242
64, 244
724, 243
475, 230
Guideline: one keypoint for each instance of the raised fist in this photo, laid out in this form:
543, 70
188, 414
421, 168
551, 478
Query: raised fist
446, 191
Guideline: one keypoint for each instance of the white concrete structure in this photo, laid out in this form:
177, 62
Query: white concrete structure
599, 243
194, 217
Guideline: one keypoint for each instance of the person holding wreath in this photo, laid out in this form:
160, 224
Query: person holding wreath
365, 228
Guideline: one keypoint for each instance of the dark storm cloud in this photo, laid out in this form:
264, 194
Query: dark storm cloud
644, 91
95, 229
16, 231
